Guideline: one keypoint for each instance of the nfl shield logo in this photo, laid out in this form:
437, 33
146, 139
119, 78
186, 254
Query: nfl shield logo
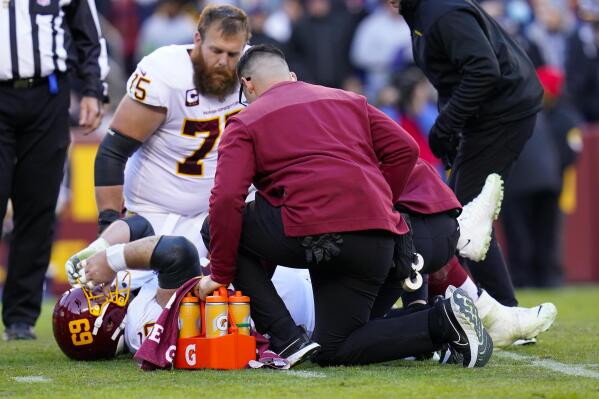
43, 3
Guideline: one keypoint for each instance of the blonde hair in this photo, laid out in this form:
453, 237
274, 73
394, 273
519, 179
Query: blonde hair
232, 20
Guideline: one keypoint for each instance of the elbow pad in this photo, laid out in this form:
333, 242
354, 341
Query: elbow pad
139, 227
109, 167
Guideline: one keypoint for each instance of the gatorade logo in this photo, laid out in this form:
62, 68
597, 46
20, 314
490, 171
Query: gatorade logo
190, 354
221, 323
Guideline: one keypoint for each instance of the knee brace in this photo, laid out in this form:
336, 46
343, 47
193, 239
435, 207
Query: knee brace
139, 227
176, 260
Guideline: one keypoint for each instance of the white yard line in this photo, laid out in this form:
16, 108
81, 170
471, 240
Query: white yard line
32, 378
568, 369
306, 374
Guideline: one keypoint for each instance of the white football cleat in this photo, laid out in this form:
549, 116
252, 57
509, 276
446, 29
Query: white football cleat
476, 220
508, 325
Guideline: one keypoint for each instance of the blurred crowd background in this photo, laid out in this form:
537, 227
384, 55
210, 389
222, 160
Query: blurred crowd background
365, 46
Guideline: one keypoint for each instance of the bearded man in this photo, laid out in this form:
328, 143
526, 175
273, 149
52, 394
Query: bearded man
169, 124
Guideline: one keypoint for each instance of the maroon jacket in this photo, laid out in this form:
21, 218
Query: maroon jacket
426, 193
332, 162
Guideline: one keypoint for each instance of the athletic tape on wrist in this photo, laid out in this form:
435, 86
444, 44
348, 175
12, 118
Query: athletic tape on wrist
115, 255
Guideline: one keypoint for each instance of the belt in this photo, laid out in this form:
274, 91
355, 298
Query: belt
26, 83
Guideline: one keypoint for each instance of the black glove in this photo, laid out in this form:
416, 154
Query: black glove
106, 217
443, 144
403, 257
322, 247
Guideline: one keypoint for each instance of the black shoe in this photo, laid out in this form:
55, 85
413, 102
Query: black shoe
19, 331
469, 338
448, 356
299, 350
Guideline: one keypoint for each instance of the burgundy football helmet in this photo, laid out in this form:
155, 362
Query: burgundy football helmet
89, 324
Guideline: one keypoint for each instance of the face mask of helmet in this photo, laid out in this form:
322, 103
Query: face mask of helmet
89, 324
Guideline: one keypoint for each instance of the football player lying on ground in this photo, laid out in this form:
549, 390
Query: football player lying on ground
176, 261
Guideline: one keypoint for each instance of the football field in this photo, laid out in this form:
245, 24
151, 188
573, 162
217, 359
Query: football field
564, 364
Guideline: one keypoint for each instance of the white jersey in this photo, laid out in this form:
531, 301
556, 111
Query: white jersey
173, 171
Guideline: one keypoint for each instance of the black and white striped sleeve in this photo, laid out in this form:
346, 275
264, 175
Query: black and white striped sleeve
90, 46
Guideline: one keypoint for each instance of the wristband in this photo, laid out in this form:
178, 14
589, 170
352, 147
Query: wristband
115, 256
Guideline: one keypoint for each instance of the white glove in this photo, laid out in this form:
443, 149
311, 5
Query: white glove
75, 267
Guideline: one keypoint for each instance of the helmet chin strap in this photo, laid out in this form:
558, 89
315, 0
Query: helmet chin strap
118, 330
100, 319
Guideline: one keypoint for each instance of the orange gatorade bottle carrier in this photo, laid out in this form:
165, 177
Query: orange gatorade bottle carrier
223, 343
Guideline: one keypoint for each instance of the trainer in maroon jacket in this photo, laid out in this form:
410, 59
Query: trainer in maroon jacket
331, 161
426, 193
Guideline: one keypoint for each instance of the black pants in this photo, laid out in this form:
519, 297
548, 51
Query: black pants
34, 137
490, 147
435, 238
531, 223
345, 290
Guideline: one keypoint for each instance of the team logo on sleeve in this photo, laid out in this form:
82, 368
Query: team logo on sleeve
192, 98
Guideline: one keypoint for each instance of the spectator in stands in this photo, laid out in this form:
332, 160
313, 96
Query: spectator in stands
278, 25
418, 111
386, 31
549, 31
318, 49
169, 24
513, 17
582, 63
125, 17
257, 16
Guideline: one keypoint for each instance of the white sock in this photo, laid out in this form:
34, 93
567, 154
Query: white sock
470, 288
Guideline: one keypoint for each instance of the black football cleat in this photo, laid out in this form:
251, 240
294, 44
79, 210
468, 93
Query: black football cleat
469, 339
299, 350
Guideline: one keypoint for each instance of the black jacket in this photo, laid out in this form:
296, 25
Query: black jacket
478, 70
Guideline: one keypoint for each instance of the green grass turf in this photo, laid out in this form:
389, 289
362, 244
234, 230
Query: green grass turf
573, 340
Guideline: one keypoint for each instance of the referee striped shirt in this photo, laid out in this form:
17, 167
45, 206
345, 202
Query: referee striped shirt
39, 37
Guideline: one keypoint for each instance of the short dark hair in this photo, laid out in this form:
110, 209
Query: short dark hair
253, 51
232, 20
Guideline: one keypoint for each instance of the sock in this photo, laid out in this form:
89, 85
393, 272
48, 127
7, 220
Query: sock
470, 288
451, 274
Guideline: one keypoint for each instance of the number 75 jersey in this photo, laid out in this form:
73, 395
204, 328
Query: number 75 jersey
173, 171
